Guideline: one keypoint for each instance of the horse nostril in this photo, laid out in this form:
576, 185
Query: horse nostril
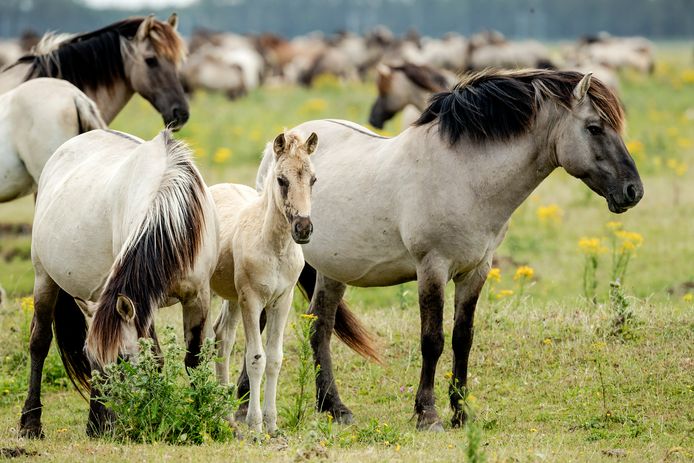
180, 114
630, 193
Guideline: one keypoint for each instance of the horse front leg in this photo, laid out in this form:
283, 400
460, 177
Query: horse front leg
195, 311
431, 280
328, 294
243, 384
467, 290
45, 297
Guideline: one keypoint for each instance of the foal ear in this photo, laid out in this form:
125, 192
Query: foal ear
279, 144
145, 28
582, 87
311, 143
125, 308
173, 20
84, 307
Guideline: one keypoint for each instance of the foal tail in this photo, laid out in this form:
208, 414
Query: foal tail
158, 252
88, 115
347, 326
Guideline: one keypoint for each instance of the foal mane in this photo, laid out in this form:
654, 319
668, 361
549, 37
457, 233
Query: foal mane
94, 59
498, 105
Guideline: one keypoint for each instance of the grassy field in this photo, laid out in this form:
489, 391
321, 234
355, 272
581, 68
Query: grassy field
550, 381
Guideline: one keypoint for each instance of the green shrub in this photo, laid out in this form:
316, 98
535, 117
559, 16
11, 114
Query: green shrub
155, 403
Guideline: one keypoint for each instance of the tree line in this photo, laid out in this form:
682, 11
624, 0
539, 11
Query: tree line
539, 19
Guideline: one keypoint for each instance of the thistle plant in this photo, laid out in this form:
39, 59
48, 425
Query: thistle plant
306, 372
624, 244
591, 247
493, 277
523, 275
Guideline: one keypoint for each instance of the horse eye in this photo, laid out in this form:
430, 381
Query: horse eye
151, 62
595, 130
313, 180
282, 182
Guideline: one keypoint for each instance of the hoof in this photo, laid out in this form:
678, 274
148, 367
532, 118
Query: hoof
428, 420
31, 431
342, 415
459, 419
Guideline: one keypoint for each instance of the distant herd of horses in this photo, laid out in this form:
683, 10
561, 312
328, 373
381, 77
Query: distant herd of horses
123, 226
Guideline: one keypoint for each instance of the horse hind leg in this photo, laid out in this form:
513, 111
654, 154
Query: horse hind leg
225, 336
45, 297
326, 298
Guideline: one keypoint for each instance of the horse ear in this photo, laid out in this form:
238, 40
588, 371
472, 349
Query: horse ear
145, 28
173, 20
384, 70
582, 87
125, 308
279, 144
311, 143
84, 307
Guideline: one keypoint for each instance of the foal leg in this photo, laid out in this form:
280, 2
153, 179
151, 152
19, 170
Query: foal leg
225, 336
45, 296
195, 310
243, 385
467, 290
276, 322
431, 280
255, 356
327, 296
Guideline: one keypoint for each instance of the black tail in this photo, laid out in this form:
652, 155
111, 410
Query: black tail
347, 326
70, 329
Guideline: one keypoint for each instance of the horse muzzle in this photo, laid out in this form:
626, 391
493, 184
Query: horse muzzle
177, 118
302, 227
631, 194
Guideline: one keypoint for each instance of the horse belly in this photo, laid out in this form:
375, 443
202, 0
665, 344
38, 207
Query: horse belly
15, 180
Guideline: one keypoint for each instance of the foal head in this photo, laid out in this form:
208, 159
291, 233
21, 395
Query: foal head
151, 60
294, 179
590, 147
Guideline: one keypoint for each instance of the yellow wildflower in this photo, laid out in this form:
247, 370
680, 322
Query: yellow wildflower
635, 147
524, 272
449, 374
672, 131
614, 225
314, 105
397, 447
494, 274
504, 293
688, 76
678, 167
221, 155
689, 297
591, 246
684, 143
629, 240
27, 304
255, 135
547, 341
551, 213
309, 316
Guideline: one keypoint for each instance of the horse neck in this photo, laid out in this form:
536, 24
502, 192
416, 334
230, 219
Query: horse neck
275, 229
111, 99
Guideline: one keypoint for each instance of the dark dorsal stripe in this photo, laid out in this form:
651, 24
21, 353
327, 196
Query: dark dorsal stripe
499, 105
356, 129
424, 77
90, 60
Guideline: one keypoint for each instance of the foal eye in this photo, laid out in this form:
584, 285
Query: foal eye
282, 182
151, 61
595, 130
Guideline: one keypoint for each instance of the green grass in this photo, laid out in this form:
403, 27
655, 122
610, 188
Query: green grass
547, 382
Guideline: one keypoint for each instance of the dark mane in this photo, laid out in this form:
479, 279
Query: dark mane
499, 105
94, 59
424, 77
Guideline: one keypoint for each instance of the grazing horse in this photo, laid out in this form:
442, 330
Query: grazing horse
127, 225
110, 64
408, 84
259, 264
35, 119
433, 203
